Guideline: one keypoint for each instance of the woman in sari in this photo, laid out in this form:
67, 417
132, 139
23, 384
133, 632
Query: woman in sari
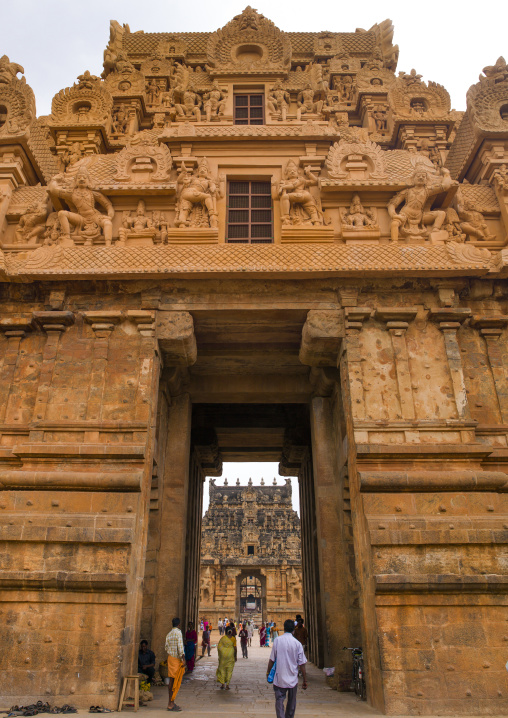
262, 635
191, 638
267, 642
227, 658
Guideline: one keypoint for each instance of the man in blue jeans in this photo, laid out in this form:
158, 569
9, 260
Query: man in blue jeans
288, 654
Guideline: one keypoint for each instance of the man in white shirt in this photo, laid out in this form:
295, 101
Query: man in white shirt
288, 654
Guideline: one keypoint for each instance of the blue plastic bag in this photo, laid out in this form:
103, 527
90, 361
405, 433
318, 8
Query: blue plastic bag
271, 675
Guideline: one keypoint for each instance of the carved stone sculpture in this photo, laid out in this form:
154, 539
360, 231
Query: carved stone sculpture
500, 178
415, 220
190, 105
84, 216
196, 192
137, 230
120, 121
472, 222
306, 102
9, 70
214, 102
32, 224
278, 101
380, 116
345, 87
17, 101
297, 203
357, 217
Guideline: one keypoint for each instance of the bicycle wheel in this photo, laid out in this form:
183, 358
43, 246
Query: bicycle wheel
358, 687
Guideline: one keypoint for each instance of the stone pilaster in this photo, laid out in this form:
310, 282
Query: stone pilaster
54, 324
491, 327
397, 321
14, 328
449, 320
355, 316
102, 323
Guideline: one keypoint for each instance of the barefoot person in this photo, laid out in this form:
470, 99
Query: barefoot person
227, 658
176, 663
287, 652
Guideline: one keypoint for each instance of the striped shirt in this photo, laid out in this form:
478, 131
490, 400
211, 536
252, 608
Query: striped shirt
174, 643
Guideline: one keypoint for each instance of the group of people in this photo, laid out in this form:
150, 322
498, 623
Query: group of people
288, 656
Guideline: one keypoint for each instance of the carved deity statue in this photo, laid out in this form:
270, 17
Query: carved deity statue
160, 223
120, 121
249, 19
190, 105
214, 102
500, 178
345, 87
306, 103
278, 101
153, 92
138, 227
472, 222
414, 218
357, 217
380, 116
71, 156
194, 191
297, 203
84, 215
32, 223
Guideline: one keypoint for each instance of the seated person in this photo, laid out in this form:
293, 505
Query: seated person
146, 661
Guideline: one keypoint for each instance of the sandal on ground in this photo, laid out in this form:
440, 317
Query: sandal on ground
175, 708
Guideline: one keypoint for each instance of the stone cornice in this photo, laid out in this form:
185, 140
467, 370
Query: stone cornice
271, 260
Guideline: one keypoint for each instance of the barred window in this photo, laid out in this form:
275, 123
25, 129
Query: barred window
249, 109
249, 213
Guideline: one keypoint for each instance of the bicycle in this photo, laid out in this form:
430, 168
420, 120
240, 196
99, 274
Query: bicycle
359, 684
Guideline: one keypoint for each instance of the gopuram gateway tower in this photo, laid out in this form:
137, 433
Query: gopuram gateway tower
251, 564
252, 245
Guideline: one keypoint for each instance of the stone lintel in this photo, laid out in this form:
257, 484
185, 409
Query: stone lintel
440, 583
72, 480
63, 581
177, 341
322, 335
431, 481
307, 234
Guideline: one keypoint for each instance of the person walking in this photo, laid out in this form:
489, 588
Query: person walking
262, 635
274, 632
288, 655
250, 631
191, 639
205, 641
227, 658
220, 626
268, 629
176, 663
301, 634
244, 640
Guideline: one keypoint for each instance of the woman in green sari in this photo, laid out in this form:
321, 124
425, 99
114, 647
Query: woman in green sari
227, 658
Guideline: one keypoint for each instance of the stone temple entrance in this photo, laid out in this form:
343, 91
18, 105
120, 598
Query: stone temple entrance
250, 599
297, 256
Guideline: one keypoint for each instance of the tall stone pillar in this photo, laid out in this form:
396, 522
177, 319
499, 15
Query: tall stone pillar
14, 328
330, 544
449, 320
170, 591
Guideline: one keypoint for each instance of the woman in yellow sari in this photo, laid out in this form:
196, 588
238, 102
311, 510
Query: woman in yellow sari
227, 658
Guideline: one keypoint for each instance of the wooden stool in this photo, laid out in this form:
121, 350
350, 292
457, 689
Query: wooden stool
124, 700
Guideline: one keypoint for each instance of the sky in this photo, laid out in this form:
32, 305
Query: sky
446, 42
245, 471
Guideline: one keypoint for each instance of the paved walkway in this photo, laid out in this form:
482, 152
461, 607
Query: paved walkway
250, 696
